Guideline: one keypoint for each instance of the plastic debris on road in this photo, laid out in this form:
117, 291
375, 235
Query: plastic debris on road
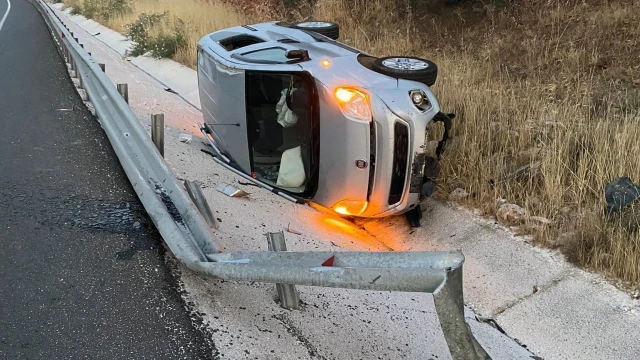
185, 138
231, 191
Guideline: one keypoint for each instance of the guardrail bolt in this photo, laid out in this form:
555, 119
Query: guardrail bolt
102, 66
287, 293
157, 132
123, 89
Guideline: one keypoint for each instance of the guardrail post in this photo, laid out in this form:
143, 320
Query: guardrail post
157, 132
123, 89
102, 67
449, 302
287, 293
76, 39
195, 193
82, 46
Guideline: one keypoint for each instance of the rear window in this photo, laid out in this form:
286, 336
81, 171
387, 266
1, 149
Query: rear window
271, 54
239, 41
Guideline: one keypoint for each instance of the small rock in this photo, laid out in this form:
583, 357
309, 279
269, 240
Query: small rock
500, 202
458, 194
635, 294
620, 193
510, 214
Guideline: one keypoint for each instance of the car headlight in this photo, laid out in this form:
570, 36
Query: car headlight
420, 100
350, 207
354, 103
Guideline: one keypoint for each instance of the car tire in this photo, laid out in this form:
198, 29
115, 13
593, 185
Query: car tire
409, 68
326, 28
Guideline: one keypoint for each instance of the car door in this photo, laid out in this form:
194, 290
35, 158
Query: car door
222, 95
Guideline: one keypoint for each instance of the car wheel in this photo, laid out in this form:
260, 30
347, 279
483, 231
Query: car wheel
328, 29
409, 68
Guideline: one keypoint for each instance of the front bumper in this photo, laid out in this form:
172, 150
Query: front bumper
398, 155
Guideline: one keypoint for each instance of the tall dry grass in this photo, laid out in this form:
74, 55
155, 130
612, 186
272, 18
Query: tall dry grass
548, 112
196, 17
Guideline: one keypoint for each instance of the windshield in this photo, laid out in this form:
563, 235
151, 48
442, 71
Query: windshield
283, 129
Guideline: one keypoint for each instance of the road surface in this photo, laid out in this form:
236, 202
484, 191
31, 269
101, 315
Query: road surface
82, 269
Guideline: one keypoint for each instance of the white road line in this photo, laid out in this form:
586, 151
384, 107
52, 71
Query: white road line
5, 14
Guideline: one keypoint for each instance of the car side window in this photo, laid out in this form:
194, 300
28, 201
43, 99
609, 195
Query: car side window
274, 54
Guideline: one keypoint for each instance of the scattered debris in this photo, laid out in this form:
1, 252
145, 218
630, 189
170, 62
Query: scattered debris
510, 214
185, 138
96, 34
126, 58
535, 289
620, 193
65, 110
289, 229
168, 89
231, 191
635, 294
247, 183
458, 194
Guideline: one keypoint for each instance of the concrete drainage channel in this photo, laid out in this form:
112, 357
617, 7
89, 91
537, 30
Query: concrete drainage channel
187, 228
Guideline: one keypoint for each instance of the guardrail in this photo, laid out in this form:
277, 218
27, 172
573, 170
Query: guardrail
191, 240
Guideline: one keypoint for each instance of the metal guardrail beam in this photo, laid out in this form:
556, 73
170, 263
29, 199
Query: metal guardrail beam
191, 240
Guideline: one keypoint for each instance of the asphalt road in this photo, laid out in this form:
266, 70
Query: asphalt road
82, 269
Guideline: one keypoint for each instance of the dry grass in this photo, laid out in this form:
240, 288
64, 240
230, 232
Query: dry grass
548, 84
197, 17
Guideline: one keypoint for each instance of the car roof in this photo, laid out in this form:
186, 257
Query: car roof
274, 35
345, 67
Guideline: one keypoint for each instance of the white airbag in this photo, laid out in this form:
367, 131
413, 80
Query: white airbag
286, 117
291, 172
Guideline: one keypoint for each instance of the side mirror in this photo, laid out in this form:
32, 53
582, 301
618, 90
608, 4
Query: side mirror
297, 54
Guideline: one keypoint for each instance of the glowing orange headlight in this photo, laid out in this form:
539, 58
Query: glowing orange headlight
354, 103
350, 207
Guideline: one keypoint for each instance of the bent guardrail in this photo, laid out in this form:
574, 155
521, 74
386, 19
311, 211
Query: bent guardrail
191, 240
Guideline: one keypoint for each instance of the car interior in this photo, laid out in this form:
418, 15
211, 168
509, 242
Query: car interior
279, 129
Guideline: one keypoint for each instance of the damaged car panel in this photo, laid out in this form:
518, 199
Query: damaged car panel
316, 119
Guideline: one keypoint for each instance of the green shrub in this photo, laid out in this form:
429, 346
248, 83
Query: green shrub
163, 44
104, 9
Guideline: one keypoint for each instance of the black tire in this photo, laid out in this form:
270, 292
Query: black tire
326, 28
427, 76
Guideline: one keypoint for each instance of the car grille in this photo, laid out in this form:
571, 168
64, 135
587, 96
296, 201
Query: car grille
372, 157
400, 160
